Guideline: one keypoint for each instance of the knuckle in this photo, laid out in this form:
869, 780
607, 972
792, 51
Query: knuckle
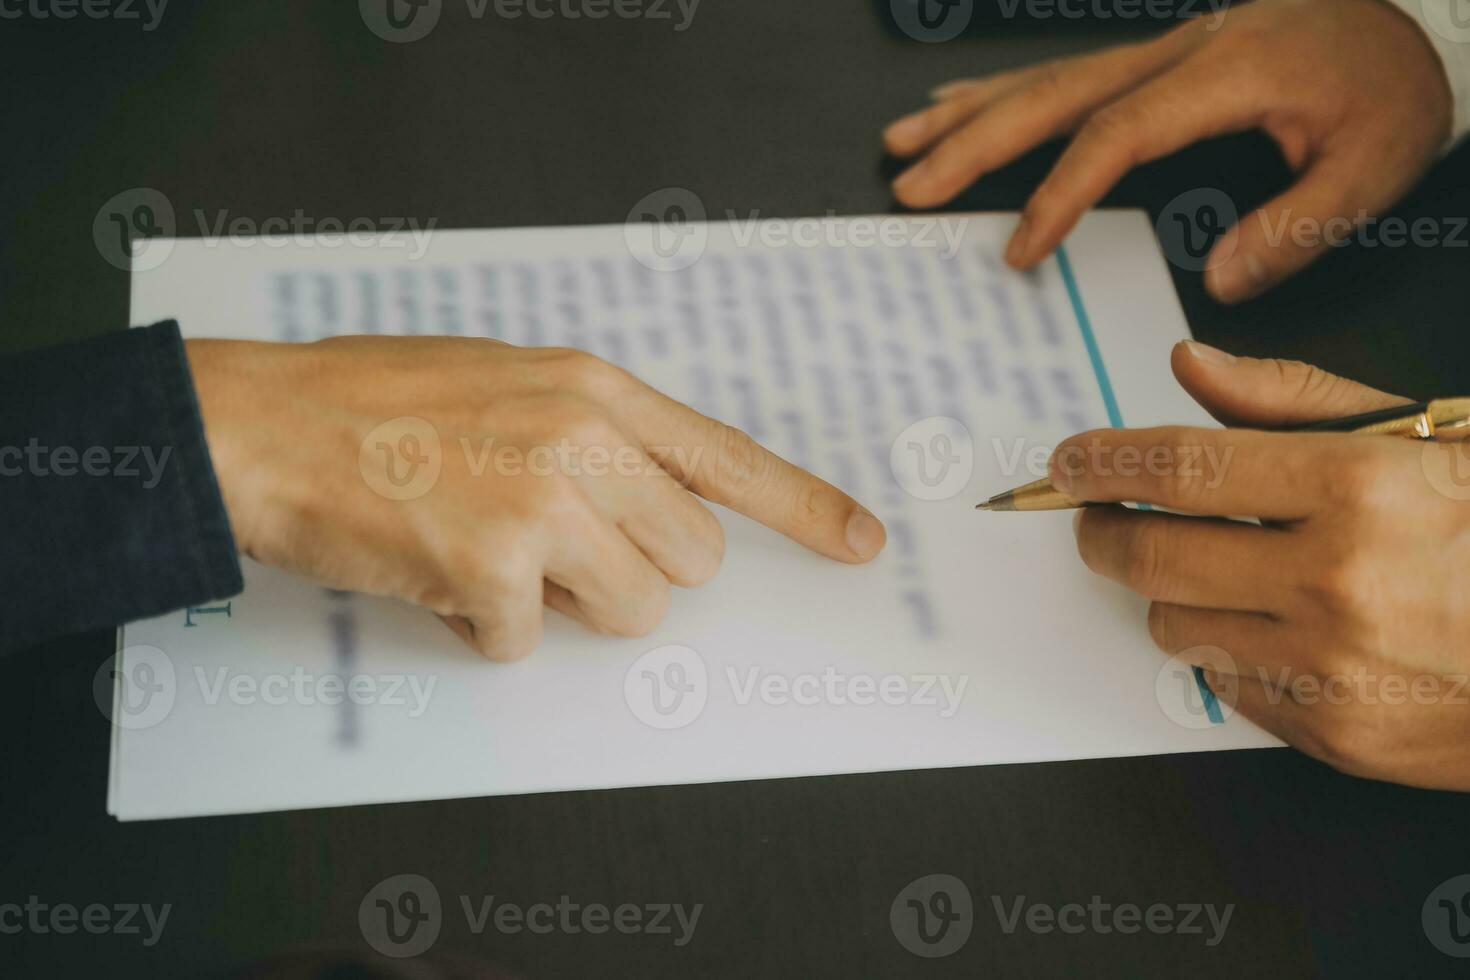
576, 421
1347, 595
1049, 82
1114, 125
739, 460
504, 645
1359, 482
1250, 50
460, 563
1179, 482
1147, 568
495, 570
1182, 489
502, 584
1347, 585
589, 429
472, 346
441, 595
1290, 374
813, 503
1308, 382
1334, 666
587, 373
651, 606
556, 503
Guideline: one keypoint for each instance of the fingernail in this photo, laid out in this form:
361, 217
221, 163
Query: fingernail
941, 92
865, 534
1016, 250
1077, 522
1239, 277
909, 129
1205, 352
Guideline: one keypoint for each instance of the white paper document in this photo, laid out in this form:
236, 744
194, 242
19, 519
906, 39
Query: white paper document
895, 356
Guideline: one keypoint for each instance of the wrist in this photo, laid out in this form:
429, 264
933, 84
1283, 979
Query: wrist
235, 382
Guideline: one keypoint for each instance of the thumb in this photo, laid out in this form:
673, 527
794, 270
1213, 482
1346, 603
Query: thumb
1268, 392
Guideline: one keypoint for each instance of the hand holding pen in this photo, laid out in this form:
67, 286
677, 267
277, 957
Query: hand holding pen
1340, 623
1442, 418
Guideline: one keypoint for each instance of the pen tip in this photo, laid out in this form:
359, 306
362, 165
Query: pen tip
1001, 501
984, 506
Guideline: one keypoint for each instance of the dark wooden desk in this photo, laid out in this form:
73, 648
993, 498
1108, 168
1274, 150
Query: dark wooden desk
265, 108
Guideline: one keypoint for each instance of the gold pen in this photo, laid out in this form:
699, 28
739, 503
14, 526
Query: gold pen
1443, 417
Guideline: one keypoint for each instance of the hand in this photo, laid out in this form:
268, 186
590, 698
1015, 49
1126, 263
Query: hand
1342, 617
1350, 90
522, 477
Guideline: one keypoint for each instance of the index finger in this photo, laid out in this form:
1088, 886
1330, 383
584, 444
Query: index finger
724, 465
1275, 476
1169, 112
1049, 103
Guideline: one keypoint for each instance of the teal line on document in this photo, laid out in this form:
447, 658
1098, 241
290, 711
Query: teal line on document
1115, 419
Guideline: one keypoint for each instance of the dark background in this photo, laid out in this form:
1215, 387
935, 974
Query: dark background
267, 107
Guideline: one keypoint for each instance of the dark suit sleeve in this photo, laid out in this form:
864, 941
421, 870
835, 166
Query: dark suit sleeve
109, 509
